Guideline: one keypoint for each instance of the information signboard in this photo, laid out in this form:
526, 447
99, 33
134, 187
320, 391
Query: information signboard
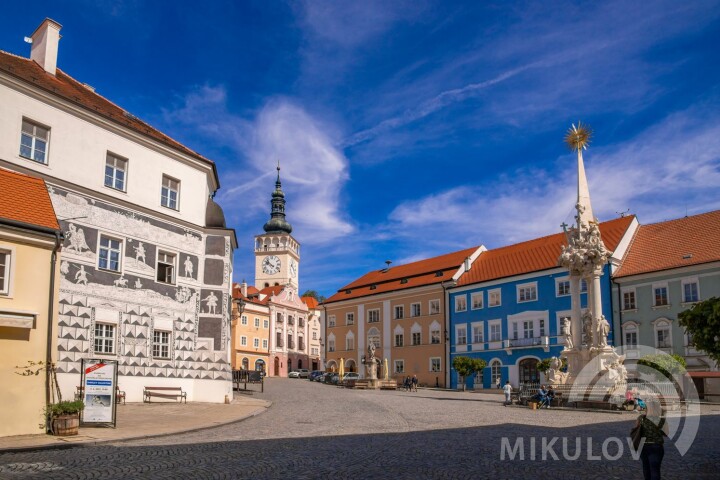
99, 380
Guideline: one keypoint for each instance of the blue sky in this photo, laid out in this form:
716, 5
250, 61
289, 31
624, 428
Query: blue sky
411, 129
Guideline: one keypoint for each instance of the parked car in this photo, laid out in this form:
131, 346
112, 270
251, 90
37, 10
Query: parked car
350, 376
314, 374
330, 378
294, 374
303, 372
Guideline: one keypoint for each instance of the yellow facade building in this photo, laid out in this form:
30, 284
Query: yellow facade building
250, 329
30, 238
402, 310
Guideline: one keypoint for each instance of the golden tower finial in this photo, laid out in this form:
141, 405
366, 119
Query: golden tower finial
578, 138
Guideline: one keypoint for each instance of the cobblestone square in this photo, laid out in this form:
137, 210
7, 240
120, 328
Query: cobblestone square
319, 431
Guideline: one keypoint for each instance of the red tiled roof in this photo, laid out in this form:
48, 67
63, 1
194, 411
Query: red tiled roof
73, 91
25, 199
423, 272
311, 302
534, 255
672, 244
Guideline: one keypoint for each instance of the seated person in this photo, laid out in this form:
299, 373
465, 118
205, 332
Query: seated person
629, 399
549, 396
541, 395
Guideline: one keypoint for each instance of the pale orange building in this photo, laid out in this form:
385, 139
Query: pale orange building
250, 339
402, 310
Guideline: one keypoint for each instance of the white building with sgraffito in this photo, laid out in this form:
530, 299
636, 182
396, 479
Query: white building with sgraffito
146, 265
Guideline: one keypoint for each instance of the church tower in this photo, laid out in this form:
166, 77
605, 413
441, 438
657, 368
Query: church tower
277, 253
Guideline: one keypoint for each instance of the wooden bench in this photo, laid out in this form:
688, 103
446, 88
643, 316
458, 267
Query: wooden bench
164, 392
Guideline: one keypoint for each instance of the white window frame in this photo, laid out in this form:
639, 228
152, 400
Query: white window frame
491, 294
633, 291
112, 339
474, 303
530, 287
481, 327
121, 253
491, 324
33, 143
266, 323
689, 281
257, 322
350, 341
558, 282
243, 341
6, 290
631, 327
350, 318
401, 363
495, 370
331, 320
657, 286
174, 256
373, 315
111, 161
265, 343
416, 338
244, 320
169, 189
435, 333
437, 360
665, 324
399, 311
434, 307
461, 303
458, 337
157, 346
331, 344
413, 308
256, 342
401, 337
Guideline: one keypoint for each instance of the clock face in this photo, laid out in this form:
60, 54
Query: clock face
271, 265
293, 268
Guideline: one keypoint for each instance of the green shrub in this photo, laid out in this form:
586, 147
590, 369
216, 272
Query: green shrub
65, 408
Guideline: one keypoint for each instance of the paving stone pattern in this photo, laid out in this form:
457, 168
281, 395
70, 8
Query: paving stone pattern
318, 431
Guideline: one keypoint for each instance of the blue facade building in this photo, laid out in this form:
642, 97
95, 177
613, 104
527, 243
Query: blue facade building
509, 307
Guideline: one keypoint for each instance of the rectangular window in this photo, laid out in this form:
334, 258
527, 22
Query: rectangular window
349, 343
434, 307
115, 168
399, 366
435, 364
4, 272
314, 335
461, 303
166, 267
279, 339
331, 320
542, 327
349, 318
527, 292
243, 320
414, 309
477, 334
690, 292
461, 335
266, 323
399, 339
417, 338
435, 337
290, 343
495, 332
494, 298
563, 288
34, 141
399, 311
256, 342
663, 338
477, 300
243, 341
631, 339
583, 286
629, 300
110, 253
661, 296
373, 316
257, 322
331, 345
170, 192
265, 344
161, 344
528, 329
104, 338
515, 331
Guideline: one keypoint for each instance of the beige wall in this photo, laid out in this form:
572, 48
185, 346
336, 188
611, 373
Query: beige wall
23, 398
416, 358
250, 332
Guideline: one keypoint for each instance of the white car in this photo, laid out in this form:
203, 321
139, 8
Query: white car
294, 374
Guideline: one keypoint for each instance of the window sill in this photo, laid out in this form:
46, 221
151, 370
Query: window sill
662, 307
629, 310
23, 157
116, 272
170, 208
115, 189
689, 304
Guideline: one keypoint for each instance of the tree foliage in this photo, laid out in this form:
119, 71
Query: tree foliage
466, 366
667, 365
314, 294
702, 322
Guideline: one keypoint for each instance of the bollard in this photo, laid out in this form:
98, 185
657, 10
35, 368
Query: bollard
227, 400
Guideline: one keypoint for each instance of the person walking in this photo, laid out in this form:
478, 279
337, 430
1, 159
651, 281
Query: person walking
497, 383
414, 383
652, 428
507, 389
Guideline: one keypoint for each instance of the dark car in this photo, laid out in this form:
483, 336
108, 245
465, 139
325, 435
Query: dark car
328, 377
314, 374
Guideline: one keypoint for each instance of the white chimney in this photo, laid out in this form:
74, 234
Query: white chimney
243, 288
45, 40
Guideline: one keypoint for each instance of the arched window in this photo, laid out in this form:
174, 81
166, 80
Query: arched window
495, 371
527, 370
245, 364
350, 366
260, 365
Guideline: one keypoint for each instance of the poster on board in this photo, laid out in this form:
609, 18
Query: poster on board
99, 378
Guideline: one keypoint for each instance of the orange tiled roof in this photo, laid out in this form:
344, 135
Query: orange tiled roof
534, 255
311, 302
26, 199
73, 91
676, 243
423, 272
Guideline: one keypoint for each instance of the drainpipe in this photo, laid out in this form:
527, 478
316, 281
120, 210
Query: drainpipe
620, 310
51, 311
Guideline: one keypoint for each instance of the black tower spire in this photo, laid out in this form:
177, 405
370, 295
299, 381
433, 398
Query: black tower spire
277, 223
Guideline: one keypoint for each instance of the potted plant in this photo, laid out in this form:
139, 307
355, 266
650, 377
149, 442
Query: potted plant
64, 417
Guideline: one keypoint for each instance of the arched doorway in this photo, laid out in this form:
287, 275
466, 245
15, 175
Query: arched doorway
276, 367
289, 365
260, 365
527, 371
350, 366
299, 364
245, 363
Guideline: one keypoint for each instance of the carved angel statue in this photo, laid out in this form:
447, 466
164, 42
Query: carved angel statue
567, 333
371, 352
587, 328
603, 330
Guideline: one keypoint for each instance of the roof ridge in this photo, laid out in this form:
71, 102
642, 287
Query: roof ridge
686, 217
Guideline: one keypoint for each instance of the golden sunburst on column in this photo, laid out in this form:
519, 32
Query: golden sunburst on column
578, 138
